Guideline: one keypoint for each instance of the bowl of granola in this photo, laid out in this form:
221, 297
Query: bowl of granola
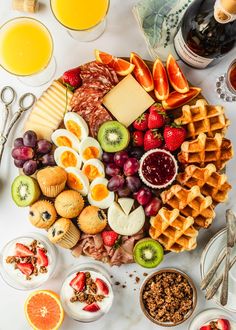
168, 297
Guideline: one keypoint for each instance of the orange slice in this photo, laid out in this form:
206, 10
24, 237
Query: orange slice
142, 72
176, 76
176, 99
161, 84
120, 66
44, 311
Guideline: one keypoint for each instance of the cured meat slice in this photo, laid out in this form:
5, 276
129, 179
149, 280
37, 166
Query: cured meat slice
99, 117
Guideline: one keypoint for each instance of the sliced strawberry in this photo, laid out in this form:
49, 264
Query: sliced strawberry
26, 268
138, 137
91, 308
42, 259
71, 78
141, 123
205, 327
152, 139
22, 250
78, 282
223, 324
102, 287
109, 237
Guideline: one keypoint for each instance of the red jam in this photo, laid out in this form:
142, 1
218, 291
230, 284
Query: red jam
158, 168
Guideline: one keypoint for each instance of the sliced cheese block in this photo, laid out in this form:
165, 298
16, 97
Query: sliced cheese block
127, 100
48, 112
126, 204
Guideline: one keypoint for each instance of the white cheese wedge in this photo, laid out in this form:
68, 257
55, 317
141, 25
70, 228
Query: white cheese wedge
125, 224
126, 204
41, 131
127, 100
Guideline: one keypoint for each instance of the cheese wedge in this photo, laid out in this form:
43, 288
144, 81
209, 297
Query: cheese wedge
49, 110
127, 100
126, 204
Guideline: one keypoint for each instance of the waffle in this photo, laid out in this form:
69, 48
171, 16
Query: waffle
190, 202
204, 150
174, 231
210, 182
203, 118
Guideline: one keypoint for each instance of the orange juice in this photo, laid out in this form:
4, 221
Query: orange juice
79, 14
26, 46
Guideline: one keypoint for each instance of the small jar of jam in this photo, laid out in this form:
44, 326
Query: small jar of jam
226, 84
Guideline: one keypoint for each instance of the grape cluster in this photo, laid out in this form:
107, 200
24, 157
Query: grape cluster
122, 168
30, 154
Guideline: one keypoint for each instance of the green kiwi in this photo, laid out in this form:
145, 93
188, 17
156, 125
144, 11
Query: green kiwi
148, 253
25, 190
113, 136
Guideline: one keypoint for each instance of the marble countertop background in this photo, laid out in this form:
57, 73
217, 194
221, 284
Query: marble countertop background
120, 38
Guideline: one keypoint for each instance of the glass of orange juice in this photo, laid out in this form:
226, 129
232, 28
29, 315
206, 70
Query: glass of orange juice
85, 20
26, 49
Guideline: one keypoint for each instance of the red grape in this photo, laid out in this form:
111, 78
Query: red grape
112, 169
124, 192
131, 166
29, 167
116, 183
18, 142
133, 183
136, 152
47, 160
44, 146
144, 196
108, 157
22, 153
30, 139
153, 207
19, 163
120, 158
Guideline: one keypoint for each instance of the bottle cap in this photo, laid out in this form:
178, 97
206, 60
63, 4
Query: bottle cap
29, 6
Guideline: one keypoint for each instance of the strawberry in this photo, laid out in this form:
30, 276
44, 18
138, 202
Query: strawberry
206, 327
26, 268
156, 119
223, 324
152, 139
42, 259
141, 123
102, 287
91, 308
174, 136
109, 238
78, 282
72, 79
156, 107
22, 250
138, 137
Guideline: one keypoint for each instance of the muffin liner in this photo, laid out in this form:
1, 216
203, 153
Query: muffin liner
70, 238
43, 224
52, 191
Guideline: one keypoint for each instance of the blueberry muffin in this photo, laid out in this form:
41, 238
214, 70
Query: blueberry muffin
92, 220
64, 233
42, 214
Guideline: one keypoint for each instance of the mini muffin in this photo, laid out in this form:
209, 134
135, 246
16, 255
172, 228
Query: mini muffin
42, 214
69, 204
52, 180
92, 220
64, 233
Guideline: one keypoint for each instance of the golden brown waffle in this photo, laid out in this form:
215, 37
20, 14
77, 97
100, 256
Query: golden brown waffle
174, 231
210, 182
204, 150
203, 118
190, 202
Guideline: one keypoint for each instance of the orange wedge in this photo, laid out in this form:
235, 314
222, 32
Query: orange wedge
176, 76
44, 311
161, 84
176, 99
142, 72
120, 66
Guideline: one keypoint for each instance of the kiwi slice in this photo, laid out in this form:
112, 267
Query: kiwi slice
113, 136
25, 190
148, 253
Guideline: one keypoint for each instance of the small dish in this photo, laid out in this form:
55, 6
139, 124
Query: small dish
194, 297
209, 255
77, 303
13, 276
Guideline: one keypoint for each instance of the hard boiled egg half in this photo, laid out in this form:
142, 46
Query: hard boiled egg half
93, 168
99, 195
63, 138
90, 148
76, 125
67, 157
77, 180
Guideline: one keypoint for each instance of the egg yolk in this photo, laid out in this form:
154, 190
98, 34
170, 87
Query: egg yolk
74, 182
91, 172
74, 128
99, 192
68, 159
90, 152
64, 141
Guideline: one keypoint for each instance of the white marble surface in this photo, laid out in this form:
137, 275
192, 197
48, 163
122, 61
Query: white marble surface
121, 37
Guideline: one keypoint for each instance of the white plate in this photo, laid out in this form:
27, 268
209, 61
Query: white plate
209, 255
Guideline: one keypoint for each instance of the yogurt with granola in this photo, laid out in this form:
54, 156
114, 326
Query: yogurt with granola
86, 295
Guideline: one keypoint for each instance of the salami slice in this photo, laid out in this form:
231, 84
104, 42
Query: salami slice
99, 117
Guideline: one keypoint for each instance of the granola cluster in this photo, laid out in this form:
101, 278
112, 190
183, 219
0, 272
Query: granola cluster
168, 297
